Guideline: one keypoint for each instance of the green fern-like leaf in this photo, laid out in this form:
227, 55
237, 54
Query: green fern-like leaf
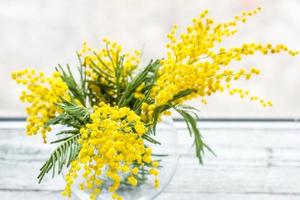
62, 156
191, 123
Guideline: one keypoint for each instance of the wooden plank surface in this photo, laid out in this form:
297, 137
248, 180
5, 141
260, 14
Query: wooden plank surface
257, 160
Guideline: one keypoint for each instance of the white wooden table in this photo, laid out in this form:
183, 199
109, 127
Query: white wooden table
256, 160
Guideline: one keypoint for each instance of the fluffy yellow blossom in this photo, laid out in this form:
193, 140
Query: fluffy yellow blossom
42, 93
194, 62
156, 183
110, 146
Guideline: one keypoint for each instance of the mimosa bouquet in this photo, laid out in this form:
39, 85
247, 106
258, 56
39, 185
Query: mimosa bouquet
112, 105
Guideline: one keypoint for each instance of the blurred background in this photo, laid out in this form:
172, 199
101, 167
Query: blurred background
42, 34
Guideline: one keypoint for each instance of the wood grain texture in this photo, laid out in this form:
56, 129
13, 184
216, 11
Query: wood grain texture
258, 161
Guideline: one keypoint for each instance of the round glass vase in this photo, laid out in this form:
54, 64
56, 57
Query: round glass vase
168, 157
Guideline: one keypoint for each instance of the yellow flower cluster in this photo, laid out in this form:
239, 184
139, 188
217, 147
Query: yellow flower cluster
192, 61
42, 93
109, 66
111, 146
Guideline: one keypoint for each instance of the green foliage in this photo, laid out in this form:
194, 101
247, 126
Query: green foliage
63, 155
147, 75
77, 90
73, 116
191, 122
